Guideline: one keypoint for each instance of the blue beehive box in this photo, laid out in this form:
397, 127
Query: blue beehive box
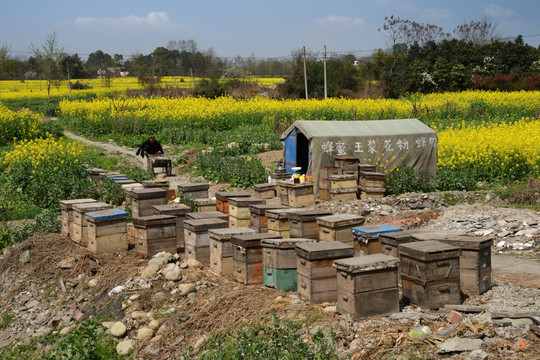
107, 215
366, 238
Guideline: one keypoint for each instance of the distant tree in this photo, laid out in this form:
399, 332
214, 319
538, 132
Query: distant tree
183, 45
118, 60
403, 31
49, 56
74, 64
97, 61
480, 31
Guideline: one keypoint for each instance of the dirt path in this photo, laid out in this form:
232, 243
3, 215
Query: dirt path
519, 270
112, 149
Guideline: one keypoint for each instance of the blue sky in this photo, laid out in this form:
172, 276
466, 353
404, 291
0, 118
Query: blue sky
263, 28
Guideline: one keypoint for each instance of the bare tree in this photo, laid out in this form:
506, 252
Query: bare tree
403, 31
49, 57
480, 32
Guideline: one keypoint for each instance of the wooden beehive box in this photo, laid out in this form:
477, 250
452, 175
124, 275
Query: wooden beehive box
366, 168
79, 227
366, 238
338, 182
155, 233
221, 258
205, 205
279, 263
317, 280
258, 219
371, 179
346, 162
239, 207
197, 239
297, 195
248, 257
278, 221
366, 193
222, 199
95, 174
326, 171
390, 241
195, 191
67, 214
156, 184
430, 273
144, 199
474, 263
207, 215
107, 230
338, 227
338, 194
303, 224
179, 211
265, 191
440, 235
367, 285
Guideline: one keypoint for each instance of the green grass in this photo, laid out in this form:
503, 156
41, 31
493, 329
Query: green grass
5, 320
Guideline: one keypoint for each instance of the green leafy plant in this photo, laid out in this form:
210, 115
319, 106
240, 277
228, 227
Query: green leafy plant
237, 170
5, 320
406, 179
111, 193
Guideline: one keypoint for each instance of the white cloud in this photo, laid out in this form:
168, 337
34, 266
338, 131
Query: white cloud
154, 19
343, 21
432, 14
498, 11
406, 6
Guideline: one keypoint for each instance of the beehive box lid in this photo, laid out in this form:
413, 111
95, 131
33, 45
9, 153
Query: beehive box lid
198, 225
208, 201
264, 187
154, 220
372, 175
468, 242
367, 167
307, 215
366, 263
426, 236
111, 174
226, 234
124, 181
398, 237
371, 189
280, 214
146, 193
106, 215
171, 209
245, 201
207, 215
374, 230
252, 240
324, 250
193, 187
339, 220
155, 183
342, 177
287, 243
349, 159
261, 209
68, 204
96, 171
429, 250
89, 207
225, 195
292, 185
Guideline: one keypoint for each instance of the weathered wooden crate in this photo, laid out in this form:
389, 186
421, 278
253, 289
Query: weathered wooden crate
197, 239
221, 258
144, 199
335, 182
430, 273
346, 162
125, 182
248, 257
205, 205
300, 195
366, 238
236, 223
366, 168
207, 215
371, 179
278, 221
265, 191
179, 211
390, 241
67, 214
79, 227
239, 207
279, 263
303, 224
366, 193
156, 184
474, 263
326, 171
317, 280
95, 173
258, 219
277, 176
338, 227
222, 199
107, 230
196, 191
338, 194
439, 235
367, 285
155, 233
109, 175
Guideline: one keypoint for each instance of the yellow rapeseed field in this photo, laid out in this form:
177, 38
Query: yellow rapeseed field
23, 124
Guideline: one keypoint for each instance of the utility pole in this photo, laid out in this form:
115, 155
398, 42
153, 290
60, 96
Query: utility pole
69, 80
192, 81
305, 73
325, 92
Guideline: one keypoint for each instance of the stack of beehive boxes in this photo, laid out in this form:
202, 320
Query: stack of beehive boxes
259, 220
239, 213
154, 234
370, 182
296, 195
107, 230
222, 199
339, 182
179, 211
221, 252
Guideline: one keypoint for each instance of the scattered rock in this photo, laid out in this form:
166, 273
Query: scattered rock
154, 325
118, 329
66, 264
149, 271
78, 316
134, 297
124, 347
185, 289
174, 274
145, 333
355, 344
107, 324
151, 350
138, 315
330, 309
477, 355
192, 295
194, 264
92, 282
405, 315
66, 330
25, 257
455, 318
464, 308
279, 299
458, 344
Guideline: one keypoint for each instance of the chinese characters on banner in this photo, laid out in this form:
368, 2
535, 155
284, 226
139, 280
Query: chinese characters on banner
389, 146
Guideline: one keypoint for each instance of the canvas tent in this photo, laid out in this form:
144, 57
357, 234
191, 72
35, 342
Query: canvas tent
389, 143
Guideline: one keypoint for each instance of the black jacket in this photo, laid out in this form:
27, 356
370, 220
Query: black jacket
150, 148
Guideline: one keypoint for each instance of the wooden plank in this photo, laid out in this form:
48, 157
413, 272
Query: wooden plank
207, 215
322, 251
101, 229
196, 239
201, 254
371, 303
317, 291
316, 269
426, 271
149, 248
155, 232
108, 243
367, 281
432, 295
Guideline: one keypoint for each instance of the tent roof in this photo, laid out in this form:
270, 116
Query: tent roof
354, 128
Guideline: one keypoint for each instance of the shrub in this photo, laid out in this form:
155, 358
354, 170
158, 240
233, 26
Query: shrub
406, 179
237, 170
111, 193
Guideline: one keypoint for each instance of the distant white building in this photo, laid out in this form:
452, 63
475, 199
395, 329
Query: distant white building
111, 72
